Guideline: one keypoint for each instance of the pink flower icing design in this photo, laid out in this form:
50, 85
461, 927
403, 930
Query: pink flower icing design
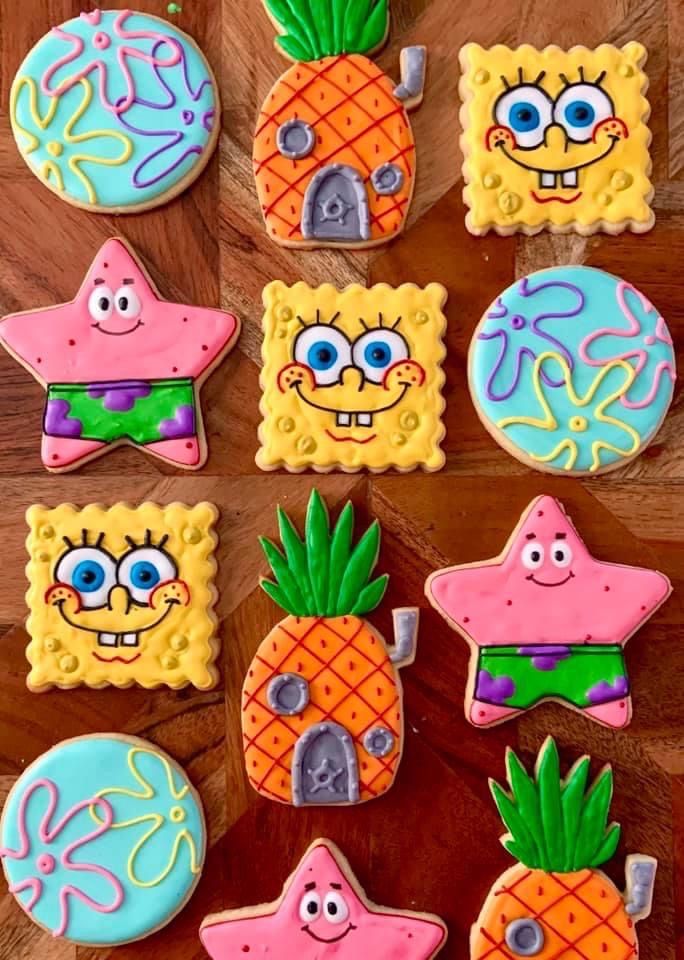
635, 332
83, 57
46, 860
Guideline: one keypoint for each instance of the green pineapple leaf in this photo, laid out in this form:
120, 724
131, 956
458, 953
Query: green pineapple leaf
340, 549
572, 799
293, 48
521, 842
276, 593
311, 29
339, 8
608, 846
549, 783
593, 820
297, 561
322, 14
371, 595
318, 549
284, 576
363, 559
526, 795
299, 38
375, 28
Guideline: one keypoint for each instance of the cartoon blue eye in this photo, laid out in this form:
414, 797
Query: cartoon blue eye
377, 350
144, 575
91, 571
144, 568
527, 110
325, 350
580, 107
579, 113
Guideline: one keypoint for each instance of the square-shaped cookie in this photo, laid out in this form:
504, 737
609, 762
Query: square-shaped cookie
352, 379
555, 139
122, 595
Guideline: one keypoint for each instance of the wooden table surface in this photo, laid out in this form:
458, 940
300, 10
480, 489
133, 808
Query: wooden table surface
432, 842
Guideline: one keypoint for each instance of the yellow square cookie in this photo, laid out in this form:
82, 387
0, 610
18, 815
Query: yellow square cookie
121, 595
352, 379
555, 139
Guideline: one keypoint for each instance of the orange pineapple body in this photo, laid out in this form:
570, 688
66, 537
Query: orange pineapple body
358, 128
582, 915
353, 689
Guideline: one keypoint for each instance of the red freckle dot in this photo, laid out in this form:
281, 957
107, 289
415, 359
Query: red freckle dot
540, 513
254, 763
587, 638
606, 588
481, 713
55, 456
185, 319
189, 445
204, 346
245, 949
174, 369
72, 343
509, 603
643, 606
40, 360
622, 704
105, 265
466, 619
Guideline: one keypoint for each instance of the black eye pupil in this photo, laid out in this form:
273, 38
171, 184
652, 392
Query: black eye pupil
581, 113
103, 303
123, 303
559, 555
536, 556
324, 355
378, 353
312, 907
525, 115
332, 909
145, 576
88, 576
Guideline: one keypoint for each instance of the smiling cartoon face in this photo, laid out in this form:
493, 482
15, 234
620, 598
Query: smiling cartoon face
555, 137
352, 378
121, 595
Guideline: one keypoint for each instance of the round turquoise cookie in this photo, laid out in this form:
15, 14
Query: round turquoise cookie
572, 370
115, 111
102, 840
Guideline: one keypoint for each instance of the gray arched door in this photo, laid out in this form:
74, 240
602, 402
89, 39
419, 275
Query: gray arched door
336, 206
324, 767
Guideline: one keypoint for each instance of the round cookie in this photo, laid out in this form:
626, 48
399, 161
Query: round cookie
572, 370
102, 840
115, 111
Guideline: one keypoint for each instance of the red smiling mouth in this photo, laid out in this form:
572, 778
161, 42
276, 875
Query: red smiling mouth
336, 939
118, 333
117, 658
541, 583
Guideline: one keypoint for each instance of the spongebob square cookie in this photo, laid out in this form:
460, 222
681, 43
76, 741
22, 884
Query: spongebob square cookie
352, 379
122, 595
556, 139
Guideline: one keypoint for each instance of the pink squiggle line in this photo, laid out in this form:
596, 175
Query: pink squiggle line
78, 46
47, 835
634, 329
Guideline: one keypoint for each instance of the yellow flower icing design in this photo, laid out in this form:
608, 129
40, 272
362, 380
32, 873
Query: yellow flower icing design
149, 798
55, 153
580, 433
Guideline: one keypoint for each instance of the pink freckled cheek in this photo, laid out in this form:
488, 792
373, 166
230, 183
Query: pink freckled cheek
46, 863
101, 41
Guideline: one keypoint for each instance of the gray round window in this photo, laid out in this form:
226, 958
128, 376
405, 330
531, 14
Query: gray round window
387, 179
295, 139
379, 741
525, 937
288, 694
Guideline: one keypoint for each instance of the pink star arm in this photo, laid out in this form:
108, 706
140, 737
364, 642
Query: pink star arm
355, 929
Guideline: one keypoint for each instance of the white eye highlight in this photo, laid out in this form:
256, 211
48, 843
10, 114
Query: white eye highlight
90, 571
532, 555
376, 351
324, 350
101, 303
310, 907
127, 302
527, 110
561, 554
144, 568
335, 908
580, 107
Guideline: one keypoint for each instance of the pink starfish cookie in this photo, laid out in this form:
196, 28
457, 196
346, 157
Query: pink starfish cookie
120, 365
547, 621
322, 913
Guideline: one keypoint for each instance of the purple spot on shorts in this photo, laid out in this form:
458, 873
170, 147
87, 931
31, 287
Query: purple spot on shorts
604, 692
493, 689
182, 425
545, 657
119, 396
57, 421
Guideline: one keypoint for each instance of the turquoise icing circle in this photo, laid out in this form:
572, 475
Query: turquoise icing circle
149, 860
129, 117
572, 369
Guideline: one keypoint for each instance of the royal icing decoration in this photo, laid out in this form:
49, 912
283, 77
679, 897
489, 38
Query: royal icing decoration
547, 621
334, 154
555, 903
322, 713
102, 839
115, 110
323, 912
556, 139
352, 378
120, 365
122, 595
572, 370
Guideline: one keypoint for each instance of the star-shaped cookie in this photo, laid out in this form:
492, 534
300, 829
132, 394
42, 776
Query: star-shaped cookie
120, 365
322, 912
547, 621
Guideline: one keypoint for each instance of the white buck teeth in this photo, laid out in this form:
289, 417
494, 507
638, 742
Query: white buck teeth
129, 640
547, 179
106, 639
569, 178
364, 419
343, 420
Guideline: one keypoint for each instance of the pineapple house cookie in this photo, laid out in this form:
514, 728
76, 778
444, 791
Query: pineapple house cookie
334, 154
555, 903
322, 713
122, 595
555, 139
545, 620
352, 379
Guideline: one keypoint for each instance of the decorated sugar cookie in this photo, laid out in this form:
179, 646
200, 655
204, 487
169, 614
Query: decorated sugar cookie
122, 595
352, 378
334, 154
102, 840
547, 621
572, 370
555, 903
120, 365
115, 111
323, 912
322, 713
556, 139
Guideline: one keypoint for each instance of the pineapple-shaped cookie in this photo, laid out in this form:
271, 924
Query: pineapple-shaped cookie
322, 717
334, 154
555, 904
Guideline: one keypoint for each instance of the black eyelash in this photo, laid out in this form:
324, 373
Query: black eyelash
597, 82
381, 323
147, 542
521, 82
318, 322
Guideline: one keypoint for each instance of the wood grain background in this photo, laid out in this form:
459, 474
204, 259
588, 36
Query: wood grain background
432, 842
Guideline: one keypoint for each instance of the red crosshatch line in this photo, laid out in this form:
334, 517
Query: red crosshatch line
542, 914
388, 765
